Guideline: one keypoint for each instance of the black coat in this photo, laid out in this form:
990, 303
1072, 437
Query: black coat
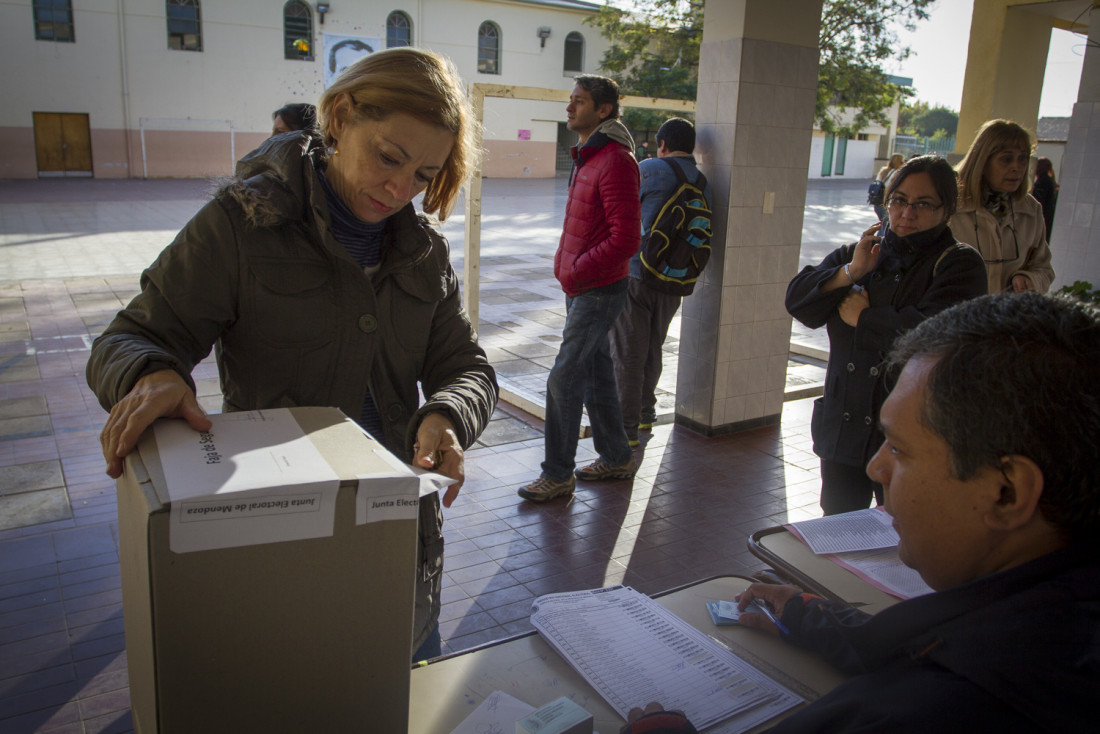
1046, 193
906, 286
1016, 651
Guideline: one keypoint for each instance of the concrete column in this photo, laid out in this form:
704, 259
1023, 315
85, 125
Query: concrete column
1075, 239
1005, 65
757, 86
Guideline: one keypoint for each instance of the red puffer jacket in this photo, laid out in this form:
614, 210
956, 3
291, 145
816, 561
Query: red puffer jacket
603, 215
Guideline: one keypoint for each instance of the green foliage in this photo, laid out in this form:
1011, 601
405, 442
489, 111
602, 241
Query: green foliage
856, 39
1082, 290
655, 53
906, 114
927, 122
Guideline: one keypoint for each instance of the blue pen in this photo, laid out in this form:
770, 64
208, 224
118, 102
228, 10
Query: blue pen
762, 605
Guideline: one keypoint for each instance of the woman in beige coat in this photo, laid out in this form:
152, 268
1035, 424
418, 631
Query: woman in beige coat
996, 214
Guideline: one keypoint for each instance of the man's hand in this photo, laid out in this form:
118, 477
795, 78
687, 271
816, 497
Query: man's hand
659, 720
777, 596
437, 448
161, 394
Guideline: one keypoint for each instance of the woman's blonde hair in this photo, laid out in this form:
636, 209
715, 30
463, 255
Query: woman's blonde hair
419, 83
993, 137
897, 160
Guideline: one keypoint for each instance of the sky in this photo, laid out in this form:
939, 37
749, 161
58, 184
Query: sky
938, 60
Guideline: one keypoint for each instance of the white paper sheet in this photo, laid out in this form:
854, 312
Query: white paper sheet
499, 712
884, 570
850, 531
244, 451
631, 650
253, 478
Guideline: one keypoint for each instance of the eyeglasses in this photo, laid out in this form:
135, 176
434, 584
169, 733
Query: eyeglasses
899, 204
1015, 242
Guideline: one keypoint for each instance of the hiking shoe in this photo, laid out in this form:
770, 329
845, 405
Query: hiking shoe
545, 489
600, 469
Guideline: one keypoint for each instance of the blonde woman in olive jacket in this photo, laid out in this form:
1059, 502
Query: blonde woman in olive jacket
996, 214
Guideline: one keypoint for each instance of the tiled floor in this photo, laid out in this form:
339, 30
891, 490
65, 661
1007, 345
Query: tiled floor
62, 654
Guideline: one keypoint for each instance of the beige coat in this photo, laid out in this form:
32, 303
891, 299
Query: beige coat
1025, 227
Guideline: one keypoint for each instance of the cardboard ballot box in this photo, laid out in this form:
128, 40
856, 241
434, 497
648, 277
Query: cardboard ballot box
308, 635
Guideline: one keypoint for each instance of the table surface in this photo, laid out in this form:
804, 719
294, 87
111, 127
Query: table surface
445, 692
788, 555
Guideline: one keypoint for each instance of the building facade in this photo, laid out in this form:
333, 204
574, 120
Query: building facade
184, 88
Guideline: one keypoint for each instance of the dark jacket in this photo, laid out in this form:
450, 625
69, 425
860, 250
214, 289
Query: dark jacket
295, 321
602, 227
1045, 192
906, 286
1016, 651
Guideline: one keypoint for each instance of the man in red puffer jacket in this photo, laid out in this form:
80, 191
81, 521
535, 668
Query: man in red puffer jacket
602, 231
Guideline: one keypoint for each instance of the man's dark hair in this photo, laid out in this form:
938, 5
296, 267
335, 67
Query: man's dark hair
603, 91
1018, 374
678, 135
297, 116
943, 177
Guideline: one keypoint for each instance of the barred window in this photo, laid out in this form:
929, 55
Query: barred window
297, 31
53, 20
488, 48
184, 25
398, 30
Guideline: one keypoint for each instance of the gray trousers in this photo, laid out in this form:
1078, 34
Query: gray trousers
636, 340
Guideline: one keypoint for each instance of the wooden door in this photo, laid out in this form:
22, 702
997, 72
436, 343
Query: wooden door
63, 144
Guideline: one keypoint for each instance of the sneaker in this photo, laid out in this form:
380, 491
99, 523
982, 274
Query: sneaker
633, 443
600, 469
545, 489
645, 426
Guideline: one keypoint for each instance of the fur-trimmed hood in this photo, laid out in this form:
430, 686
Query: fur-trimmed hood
274, 182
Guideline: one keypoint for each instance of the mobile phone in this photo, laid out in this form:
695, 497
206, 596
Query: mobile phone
884, 228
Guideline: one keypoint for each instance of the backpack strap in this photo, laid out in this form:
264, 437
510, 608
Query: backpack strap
700, 183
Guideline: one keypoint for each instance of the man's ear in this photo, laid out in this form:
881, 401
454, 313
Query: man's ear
1021, 486
604, 111
662, 148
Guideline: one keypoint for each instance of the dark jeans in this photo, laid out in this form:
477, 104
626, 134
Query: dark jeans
636, 349
846, 488
583, 377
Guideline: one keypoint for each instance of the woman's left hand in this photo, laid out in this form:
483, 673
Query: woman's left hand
1022, 284
437, 448
852, 306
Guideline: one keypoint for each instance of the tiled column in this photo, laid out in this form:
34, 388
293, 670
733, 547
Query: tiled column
757, 86
1075, 238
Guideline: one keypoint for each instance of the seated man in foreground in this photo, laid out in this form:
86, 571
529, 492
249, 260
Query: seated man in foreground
990, 474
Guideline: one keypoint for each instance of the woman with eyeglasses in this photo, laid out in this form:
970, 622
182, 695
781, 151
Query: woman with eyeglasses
866, 295
996, 214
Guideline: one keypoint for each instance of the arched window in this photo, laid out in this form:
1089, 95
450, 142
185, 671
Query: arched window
53, 20
574, 53
184, 25
297, 31
488, 48
399, 30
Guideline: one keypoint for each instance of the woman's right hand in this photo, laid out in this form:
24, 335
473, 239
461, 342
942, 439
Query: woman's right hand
866, 252
160, 394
